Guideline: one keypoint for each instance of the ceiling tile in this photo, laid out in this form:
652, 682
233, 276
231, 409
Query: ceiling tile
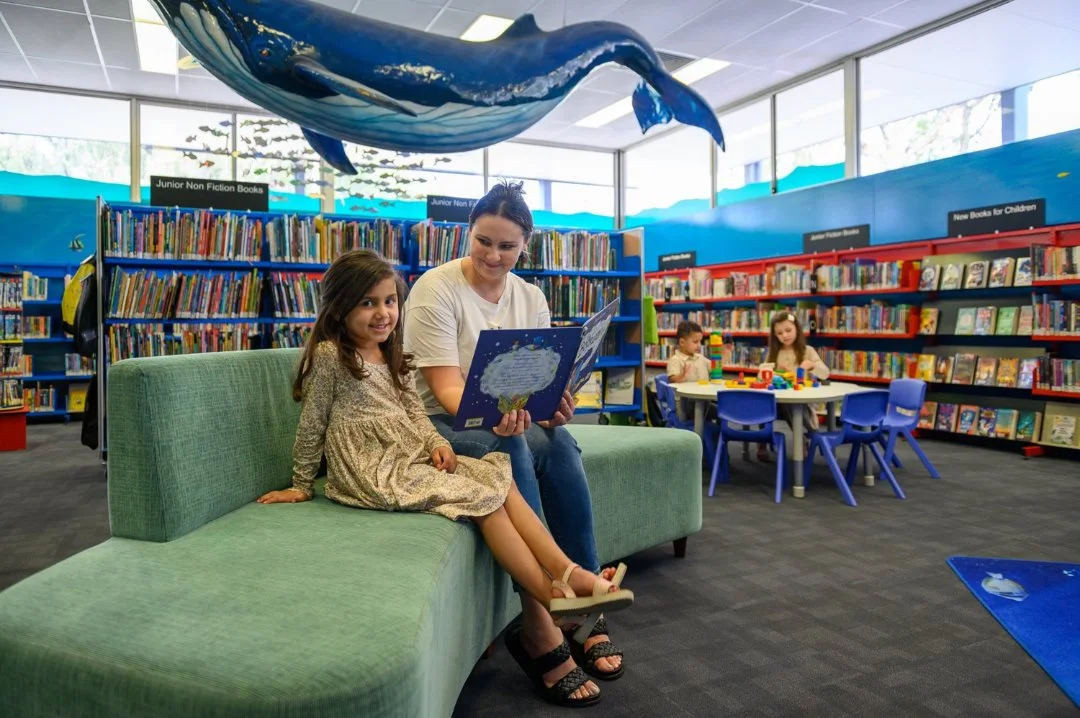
856, 37
582, 103
119, 9
346, 5
655, 20
787, 35
726, 24
724, 89
117, 41
452, 22
503, 8
860, 8
53, 35
210, 91
914, 13
613, 79
399, 12
75, 6
1047, 11
551, 14
70, 74
13, 69
134, 82
7, 45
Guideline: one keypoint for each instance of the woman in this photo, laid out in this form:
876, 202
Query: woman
446, 310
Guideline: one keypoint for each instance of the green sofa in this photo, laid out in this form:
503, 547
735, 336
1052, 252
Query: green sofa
204, 603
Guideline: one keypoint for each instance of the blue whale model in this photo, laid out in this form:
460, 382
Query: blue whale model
340, 76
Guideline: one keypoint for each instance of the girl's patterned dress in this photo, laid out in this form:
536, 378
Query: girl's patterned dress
378, 443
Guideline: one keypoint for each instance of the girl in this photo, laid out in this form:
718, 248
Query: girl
361, 409
789, 352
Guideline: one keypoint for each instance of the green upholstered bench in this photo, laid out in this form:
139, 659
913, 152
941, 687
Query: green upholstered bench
206, 604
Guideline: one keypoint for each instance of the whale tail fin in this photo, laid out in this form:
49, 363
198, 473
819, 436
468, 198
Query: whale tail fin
668, 99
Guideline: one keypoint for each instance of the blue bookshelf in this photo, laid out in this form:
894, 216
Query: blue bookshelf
625, 278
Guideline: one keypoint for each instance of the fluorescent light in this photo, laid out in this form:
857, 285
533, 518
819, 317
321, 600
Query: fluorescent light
157, 48
143, 11
687, 74
486, 27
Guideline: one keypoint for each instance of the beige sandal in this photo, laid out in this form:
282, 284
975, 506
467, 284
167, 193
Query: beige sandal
573, 605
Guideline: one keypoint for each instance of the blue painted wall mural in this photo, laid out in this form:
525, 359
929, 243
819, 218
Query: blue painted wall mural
46, 230
902, 205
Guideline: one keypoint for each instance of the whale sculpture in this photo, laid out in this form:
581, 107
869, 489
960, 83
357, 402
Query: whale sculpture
340, 76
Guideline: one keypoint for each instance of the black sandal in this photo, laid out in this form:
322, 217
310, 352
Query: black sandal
535, 668
604, 649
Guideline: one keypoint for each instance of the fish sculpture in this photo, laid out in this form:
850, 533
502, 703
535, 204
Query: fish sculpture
998, 585
343, 77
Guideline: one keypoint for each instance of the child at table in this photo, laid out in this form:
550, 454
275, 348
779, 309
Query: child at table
789, 352
688, 363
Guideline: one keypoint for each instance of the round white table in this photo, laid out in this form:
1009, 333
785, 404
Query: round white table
702, 394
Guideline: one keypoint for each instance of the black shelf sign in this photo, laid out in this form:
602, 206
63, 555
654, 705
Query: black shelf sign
449, 209
827, 240
678, 260
1026, 214
209, 194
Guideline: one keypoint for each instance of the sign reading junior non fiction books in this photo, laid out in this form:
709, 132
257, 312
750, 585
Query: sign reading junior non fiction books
209, 194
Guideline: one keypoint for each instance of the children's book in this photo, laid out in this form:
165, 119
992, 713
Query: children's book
943, 369
946, 417
987, 421
1027, 319
1063, 430
927, 415
964, 369
976, 275
985, 371
1022, 277
985, 321
928, 320
1007, 320
620, 386
952, 277
590, 396
1008, 371
1026, 377
1027, 425
529, 369
927, 364
965, 321
968, 415
1005, 424
928, 280
1001, 272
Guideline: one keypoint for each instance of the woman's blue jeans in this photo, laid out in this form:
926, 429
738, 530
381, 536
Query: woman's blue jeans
548, 472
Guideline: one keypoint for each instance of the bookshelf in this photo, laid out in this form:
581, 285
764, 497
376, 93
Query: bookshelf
954, 312
183, 280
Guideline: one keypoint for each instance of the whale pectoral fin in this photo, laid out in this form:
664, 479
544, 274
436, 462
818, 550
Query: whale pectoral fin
313, 71
331, 150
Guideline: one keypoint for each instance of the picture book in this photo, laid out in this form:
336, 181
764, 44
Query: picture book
620, 386
985, 321
1008, 371
1063, 430
952, 277
964, 369
591, 394
985, 371
987, 421
928, 415
965, 321
1005, 424
529, 369
1007, 320
976, 275
1026, 377
1027, 425
946, 417
943, 369
1022, 277
928, 320
1001, 272
927, 364
1025, 323
929, 278
968, 415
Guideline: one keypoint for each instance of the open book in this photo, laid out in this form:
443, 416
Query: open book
529, 369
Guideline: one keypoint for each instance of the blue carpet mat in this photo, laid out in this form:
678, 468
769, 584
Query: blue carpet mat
1038, 603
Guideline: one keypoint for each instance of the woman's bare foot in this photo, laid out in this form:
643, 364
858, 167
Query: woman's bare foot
540, 637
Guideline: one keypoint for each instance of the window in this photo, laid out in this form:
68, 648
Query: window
668, 176
57, 145
564, 187
273, 151
396, 184
178, 142
743, 170
966, 87
810, 133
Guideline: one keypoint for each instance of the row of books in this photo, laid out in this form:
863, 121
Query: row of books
39, 398
736, 354
335, 237
10, 327
609, 387
863, 275
972, 369
295, 295
183, 295
995, 321
1056, 316
35, 289
870, 365
576, 296
183, 235
547, 249
876, 318
1058, 374
11, 359
988, 421
1056, 262
290, 336
439, 244
999, 272
37, 327
11, 394
150, 340
11, 293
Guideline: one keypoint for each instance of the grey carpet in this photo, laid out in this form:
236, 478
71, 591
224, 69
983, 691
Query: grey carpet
804, 609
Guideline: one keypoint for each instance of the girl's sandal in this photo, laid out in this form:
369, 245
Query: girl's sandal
588, 629
561, 693
570, 604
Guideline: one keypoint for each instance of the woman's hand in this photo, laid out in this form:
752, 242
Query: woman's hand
563, 414
513, 423
288, 496
444, 459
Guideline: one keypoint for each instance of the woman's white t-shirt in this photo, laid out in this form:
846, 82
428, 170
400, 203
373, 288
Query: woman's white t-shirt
444, 317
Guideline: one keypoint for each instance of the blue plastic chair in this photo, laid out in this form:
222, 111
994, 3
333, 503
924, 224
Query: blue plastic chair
862, 416
666, 398
747, 408
906, 398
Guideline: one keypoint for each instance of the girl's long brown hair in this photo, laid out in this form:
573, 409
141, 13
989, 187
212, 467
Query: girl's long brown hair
774, 344
348, 280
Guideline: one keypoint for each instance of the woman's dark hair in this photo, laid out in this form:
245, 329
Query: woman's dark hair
506, 199
349, 279
799, 346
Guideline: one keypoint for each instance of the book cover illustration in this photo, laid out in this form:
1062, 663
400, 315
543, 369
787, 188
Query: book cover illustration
985, 321
943, 369
592, 340
1001, 272
1027, 425
987, 421
1023, 276
927, 365
946, 417
927, 415
517, 369
1005, 424
928, 320
1008, 372
1026, 377
590, 396
976, 275
929, 278
1026, 322
965, 321
1063, 430
620, 386
952, 277
1007, 321
968, 415
964, 369
985, 371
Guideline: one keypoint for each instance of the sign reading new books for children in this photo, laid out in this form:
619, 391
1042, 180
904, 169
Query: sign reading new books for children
529, 369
